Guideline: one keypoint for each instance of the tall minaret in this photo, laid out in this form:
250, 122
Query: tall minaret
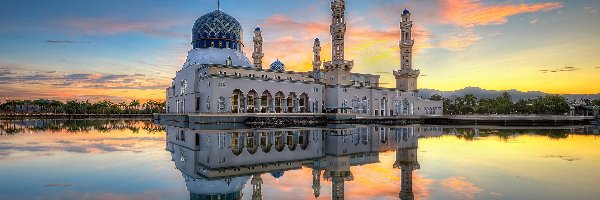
338, 30
316, 55
338, 69
256, 187
406, 77
258, 54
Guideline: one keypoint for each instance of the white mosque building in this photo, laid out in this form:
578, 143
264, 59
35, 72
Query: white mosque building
217, 77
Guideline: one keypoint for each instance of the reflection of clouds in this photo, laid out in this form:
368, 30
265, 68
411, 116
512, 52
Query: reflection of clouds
461, 187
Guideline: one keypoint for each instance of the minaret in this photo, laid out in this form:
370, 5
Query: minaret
258, 54
338, 30
406, 77
338, 69
316, 185
256, 187
316, 56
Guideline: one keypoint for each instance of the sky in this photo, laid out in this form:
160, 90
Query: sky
124, 50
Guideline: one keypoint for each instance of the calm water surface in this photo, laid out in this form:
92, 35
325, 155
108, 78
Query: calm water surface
126, 159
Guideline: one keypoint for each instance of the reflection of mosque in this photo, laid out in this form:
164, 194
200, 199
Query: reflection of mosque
216, 164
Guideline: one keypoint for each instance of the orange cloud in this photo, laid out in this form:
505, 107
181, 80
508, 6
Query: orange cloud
469, 13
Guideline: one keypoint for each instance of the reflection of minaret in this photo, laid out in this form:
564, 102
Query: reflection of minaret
338, 171
406, 160
256, 187
316, 174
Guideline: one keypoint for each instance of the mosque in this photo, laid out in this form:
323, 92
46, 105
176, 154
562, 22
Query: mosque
217, 77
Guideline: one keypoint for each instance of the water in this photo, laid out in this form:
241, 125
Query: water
126, 159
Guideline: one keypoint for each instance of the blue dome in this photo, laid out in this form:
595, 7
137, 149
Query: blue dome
405, 11
277, 174
257, 29
217, 29
277, 66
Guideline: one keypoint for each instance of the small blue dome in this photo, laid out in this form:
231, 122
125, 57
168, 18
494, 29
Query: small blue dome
257, 29
277, 66
405, 11
277, 174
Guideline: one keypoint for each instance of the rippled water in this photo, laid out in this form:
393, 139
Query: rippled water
125, 159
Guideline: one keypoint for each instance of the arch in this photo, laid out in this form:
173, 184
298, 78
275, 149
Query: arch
291, 140
237, 101
279, 102
236, 144
303, 103
304, 139
252, 99
251, 142
266, 102
405, 106
279, 143
265, 142
383, 137
292, 102
383, 106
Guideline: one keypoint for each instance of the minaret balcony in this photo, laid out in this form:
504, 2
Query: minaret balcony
407, 73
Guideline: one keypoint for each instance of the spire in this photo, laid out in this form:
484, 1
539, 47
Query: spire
218, 4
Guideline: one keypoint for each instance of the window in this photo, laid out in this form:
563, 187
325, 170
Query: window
197, 103
183, 87
221, 103
208, 103
208, 84
182, 136
221, 140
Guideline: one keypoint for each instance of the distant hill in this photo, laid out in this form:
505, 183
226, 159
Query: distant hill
483, 93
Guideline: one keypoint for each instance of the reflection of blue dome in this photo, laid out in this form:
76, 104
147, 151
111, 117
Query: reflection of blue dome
277, 66
277, 174
217, 29
406, 11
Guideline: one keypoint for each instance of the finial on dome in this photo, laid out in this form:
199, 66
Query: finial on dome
218, 4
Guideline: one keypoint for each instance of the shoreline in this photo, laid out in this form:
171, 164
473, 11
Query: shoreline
76, 116
311, 119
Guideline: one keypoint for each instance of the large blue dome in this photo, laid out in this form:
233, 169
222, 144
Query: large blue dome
217, 29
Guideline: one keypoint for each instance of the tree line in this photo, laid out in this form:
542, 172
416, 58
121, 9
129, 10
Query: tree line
43, 106
503, 104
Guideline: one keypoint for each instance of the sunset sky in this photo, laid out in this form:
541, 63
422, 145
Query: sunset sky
122, 50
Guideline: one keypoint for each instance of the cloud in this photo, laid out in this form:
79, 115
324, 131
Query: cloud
533, 21
60, 41
111, 26
59, 185
590, 9
564, 69
470, 13
461, 187
460, 42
